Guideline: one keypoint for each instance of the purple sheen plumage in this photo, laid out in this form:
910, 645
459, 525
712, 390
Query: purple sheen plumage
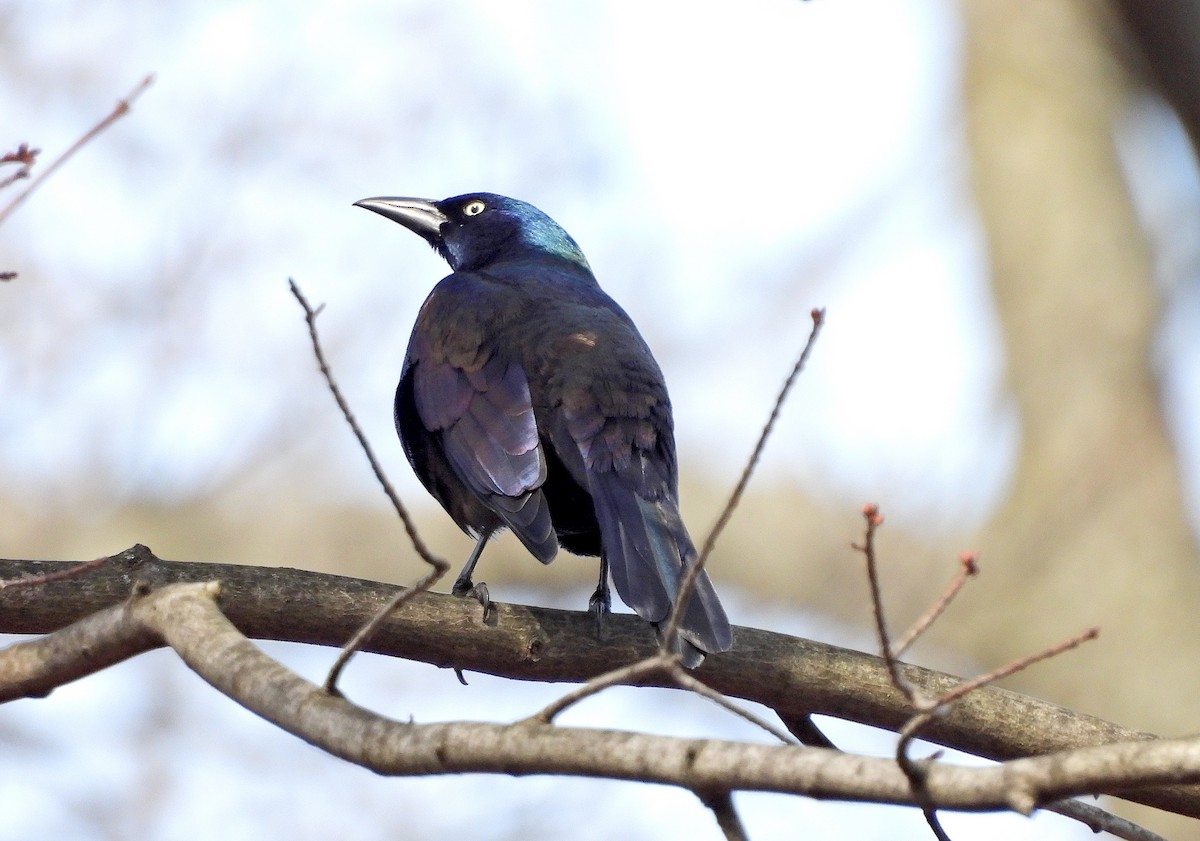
529, 518
483, 462
442, 394
490, 438
517, 434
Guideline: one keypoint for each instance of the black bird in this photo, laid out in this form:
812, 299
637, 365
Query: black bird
529, 400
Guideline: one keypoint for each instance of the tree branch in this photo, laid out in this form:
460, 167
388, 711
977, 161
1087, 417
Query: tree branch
528, 643
186, 618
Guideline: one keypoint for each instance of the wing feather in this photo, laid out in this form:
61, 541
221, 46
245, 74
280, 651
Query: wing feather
484, 422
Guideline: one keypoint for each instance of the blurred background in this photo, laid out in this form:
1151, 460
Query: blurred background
996, 203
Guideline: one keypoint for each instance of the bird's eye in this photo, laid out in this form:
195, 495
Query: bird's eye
474, 208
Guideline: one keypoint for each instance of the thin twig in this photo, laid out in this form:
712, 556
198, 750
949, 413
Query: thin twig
916, 772
367, 631
19, 175
24, 156
671, 628
935, 825
659, 662
968, 567
926, 708
120, 110
685, 680
805, 730
1018, 665
665, 663
874, 520
439, 566
310, 318
1098, 820
70, 572
721, 805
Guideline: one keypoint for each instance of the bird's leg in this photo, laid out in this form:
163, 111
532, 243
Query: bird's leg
463, 585
600, 604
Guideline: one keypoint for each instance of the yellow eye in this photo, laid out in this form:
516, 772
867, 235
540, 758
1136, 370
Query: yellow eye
474, 208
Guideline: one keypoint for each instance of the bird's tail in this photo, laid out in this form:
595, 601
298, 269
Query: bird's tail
647, 547
704, 628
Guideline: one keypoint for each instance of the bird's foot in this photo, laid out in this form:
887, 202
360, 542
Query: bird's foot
464, 588
600, 605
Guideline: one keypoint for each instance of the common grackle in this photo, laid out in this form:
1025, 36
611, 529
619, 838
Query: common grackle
529, 400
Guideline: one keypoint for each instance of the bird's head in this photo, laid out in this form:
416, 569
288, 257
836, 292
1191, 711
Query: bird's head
473, 230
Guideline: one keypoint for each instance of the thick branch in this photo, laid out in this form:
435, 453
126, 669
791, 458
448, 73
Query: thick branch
528, 643
187, 619
95, 642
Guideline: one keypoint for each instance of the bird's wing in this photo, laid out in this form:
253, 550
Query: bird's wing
484, 415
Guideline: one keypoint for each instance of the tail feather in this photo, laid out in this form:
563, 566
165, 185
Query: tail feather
647, 546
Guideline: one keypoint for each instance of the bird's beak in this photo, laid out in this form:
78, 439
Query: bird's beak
420, 216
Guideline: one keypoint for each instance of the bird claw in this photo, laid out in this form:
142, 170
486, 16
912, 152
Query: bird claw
600, 605
478, 592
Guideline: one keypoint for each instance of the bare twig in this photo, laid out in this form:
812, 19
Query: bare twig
120, 110
1019, 665
310, 318
1098, 820
70, 572
671, 628
364, 634
916, 770
926, 708
805, 730
667, 664
659, 662
874, 520
686, 680
968, 567
23, 156
721, 805
439, 566
935, 825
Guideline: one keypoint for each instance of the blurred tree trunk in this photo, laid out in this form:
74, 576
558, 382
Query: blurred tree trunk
1094, 530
